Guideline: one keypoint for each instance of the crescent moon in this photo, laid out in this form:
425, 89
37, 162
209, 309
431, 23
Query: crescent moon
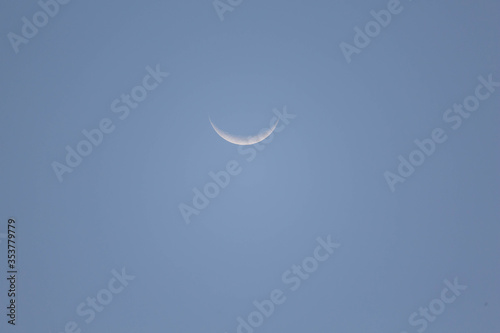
244, 140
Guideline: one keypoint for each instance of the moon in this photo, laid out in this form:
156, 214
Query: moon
244, 140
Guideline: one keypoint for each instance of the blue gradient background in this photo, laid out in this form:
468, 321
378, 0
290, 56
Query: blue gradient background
322, 175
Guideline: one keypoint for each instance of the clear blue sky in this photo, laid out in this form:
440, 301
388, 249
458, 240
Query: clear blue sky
322, 174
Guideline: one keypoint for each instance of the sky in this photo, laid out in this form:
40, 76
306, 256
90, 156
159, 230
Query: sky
373, 207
